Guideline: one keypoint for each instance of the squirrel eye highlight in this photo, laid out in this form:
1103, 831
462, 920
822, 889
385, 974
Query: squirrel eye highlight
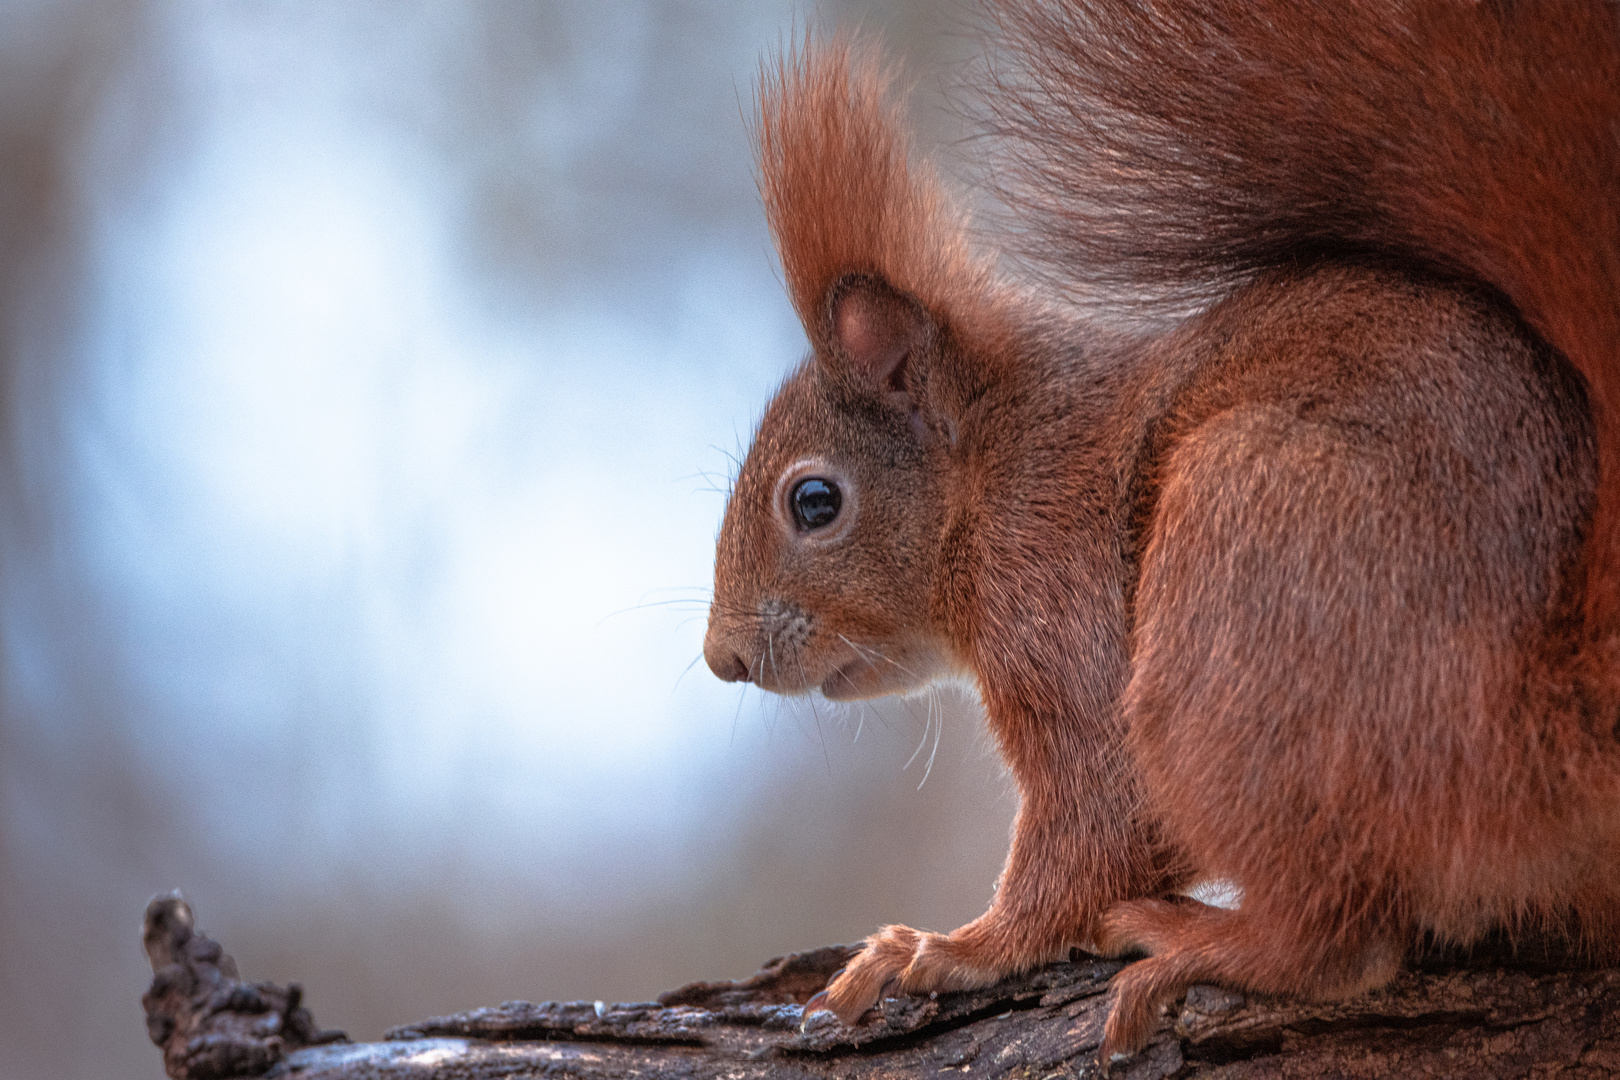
816, 503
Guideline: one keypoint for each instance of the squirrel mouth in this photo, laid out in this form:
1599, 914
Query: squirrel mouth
842, 684
865, 677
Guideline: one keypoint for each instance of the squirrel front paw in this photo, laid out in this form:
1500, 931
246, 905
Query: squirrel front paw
898, 959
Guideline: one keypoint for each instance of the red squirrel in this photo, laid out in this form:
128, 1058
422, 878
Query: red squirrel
1271, 500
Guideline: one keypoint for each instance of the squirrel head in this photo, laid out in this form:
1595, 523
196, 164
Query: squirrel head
828, 558
825, 563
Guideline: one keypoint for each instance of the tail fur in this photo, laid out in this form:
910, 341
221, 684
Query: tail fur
1157, 153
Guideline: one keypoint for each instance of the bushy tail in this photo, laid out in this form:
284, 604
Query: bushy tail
1157, 152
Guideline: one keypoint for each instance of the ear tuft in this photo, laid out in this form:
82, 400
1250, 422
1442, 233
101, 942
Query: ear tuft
874, 329
845, 196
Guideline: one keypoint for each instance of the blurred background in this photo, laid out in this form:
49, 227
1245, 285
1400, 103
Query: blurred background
370, 374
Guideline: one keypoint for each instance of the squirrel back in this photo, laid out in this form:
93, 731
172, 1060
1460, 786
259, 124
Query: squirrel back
1157, 155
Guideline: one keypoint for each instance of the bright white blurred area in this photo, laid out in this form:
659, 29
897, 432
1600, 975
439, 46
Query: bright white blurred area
372, 373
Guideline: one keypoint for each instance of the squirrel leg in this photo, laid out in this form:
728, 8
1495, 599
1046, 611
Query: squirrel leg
1059, 877
1190, 943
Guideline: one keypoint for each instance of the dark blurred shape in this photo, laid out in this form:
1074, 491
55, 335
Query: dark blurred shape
208, 1022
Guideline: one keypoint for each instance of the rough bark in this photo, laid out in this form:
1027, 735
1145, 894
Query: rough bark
1494, 1014
210, 1024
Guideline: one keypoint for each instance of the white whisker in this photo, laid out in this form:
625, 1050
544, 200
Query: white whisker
939, 729
684, 672
742, 694
928, 723
821, 735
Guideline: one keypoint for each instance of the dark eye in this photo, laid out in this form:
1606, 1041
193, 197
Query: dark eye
816, 503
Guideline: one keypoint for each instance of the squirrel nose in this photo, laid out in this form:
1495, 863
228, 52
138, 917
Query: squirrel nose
726, 664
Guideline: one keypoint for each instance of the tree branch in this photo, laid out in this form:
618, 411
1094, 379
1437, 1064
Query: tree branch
1496, 1013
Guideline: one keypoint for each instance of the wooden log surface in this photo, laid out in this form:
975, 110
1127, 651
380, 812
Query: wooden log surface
1496, 1013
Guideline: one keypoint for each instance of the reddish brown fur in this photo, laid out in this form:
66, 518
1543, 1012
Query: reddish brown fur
1314, 587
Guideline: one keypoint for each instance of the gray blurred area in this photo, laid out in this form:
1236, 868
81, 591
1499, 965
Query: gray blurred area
369, 374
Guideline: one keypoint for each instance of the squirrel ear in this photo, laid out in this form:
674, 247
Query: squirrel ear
874, 328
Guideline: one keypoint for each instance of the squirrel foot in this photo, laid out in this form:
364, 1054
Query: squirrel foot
1142, 989
900, 959
1191, 942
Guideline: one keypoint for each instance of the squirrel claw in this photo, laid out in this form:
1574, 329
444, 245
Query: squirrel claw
817, 1003
1112, 1059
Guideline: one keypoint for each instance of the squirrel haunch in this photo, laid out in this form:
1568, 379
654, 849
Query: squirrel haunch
1310, 581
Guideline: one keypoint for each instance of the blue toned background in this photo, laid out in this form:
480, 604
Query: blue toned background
369, 374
